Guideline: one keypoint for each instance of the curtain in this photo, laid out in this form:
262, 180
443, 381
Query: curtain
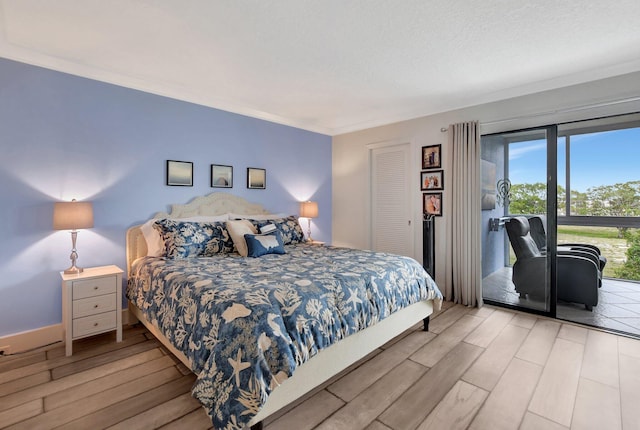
463, 270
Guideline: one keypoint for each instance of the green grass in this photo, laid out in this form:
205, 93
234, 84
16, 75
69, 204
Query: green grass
596, 232
605, 238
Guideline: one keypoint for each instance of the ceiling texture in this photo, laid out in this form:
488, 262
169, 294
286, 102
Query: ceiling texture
330, 66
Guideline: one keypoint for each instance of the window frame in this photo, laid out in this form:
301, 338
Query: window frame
598, 125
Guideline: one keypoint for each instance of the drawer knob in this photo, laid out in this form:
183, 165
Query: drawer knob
95, 324
95, 288
95, 306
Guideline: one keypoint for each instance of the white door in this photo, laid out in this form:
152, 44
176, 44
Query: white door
391, 226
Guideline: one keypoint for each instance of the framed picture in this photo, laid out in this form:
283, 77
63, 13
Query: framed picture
256, 178
432, 204
221, 176
431, 157
432, 180
180, 173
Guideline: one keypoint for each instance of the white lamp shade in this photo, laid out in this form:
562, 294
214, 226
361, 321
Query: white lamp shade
72, 215
309, 209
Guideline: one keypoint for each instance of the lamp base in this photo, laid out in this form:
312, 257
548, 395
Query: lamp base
73, 270
309, 239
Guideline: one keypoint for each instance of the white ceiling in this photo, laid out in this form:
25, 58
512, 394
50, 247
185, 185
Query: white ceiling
330, 66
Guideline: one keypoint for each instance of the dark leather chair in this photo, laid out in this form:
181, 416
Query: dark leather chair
578, 271
539, 234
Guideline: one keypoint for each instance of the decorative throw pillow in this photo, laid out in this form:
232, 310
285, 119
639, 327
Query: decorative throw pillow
155, 244
262, 244
183, 239
238, 229
289, 228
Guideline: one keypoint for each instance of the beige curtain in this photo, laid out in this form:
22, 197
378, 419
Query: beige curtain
463, 275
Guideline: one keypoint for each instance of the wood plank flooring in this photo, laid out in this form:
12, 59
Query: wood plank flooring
486, 368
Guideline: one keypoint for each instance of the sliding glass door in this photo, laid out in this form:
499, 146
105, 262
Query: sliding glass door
519, 206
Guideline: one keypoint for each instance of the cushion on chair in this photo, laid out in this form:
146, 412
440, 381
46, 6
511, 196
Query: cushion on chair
538, 233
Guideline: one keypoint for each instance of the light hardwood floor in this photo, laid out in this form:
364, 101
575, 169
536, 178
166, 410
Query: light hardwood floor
486, 368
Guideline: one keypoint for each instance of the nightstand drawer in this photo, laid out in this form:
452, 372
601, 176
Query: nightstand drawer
94, 287
94, 305
94, 324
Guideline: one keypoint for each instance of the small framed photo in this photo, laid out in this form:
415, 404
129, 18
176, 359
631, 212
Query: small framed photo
432, 180
256, 178
221, 176
431, 157
180, 173
432, 204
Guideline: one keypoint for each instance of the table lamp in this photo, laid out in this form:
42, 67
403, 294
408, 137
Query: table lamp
72, 216
309, 210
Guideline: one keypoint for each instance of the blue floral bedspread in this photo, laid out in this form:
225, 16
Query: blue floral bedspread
245, 324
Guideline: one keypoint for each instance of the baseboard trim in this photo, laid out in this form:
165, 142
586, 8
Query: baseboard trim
43, 336
31, 339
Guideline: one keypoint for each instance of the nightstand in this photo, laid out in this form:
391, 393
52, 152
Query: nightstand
91, 303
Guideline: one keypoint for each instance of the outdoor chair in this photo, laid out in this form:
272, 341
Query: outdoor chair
578, 271
539, 234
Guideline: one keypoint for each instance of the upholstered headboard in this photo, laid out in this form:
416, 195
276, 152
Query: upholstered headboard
212, 204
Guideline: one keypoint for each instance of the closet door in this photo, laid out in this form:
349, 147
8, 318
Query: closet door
391, 226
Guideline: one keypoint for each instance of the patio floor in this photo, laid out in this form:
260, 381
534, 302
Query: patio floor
618, 302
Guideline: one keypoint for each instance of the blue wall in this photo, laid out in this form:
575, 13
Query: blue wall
64, 137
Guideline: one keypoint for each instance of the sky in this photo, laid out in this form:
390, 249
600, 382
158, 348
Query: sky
603, 158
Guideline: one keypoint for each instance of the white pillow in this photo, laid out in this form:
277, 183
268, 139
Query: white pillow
237, 229
261, 217
155, 246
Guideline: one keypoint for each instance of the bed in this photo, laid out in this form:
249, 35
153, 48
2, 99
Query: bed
260, 333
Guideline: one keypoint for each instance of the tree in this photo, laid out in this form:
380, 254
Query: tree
631, 267
579, 203
528, 198
615, 200
532, 199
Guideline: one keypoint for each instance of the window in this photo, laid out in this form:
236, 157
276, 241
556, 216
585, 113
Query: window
598, 173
